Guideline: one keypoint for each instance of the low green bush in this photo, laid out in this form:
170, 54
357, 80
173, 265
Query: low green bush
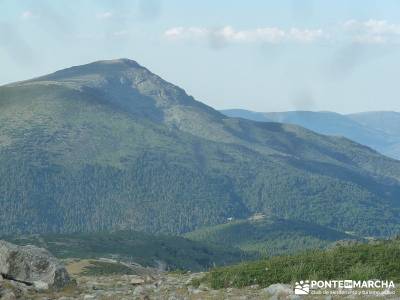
375, 260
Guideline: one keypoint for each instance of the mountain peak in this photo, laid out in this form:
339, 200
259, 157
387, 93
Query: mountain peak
120, 61
95, 70
125, 84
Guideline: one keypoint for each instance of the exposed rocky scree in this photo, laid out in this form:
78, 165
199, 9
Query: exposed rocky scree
31, 267
166, 286
29, 272
33, 273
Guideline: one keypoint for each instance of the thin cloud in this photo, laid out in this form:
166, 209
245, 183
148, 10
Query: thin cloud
306, 35
367, 32
228, 34
104, 15
372, 31
27, 15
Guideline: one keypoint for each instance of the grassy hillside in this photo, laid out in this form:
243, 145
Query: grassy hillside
147, 250
268, 235
111, 146
376, 260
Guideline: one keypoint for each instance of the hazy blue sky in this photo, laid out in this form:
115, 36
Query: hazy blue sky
261, 55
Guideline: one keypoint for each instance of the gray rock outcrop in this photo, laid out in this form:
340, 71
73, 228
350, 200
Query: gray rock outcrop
281, 291
32, 265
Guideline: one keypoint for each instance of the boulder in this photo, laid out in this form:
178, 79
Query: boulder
32, 265
41, 285
8, 295
281, 291
137, 280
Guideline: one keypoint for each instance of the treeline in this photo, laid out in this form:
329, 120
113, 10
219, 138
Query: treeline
156, 193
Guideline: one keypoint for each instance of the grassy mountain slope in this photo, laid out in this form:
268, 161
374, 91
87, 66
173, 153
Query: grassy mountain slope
109, 145
378, 130
376, 260
268, 235
128, 246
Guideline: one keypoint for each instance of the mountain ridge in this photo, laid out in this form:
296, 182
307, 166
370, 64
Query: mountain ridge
90, 152
365, 128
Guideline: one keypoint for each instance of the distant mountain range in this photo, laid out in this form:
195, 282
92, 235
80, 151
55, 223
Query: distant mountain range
379, 130
110, 145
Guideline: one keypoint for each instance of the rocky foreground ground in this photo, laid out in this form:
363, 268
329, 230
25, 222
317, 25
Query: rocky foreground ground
166, 286
33, 273
29, 272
